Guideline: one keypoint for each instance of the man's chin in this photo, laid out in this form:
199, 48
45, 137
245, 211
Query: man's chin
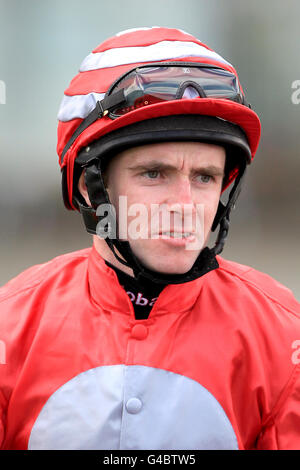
178, 262
168, 268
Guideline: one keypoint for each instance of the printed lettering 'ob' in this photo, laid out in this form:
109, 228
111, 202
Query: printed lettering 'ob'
140, 300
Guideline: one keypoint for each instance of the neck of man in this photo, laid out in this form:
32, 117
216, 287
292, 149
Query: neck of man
106, 253
143, 294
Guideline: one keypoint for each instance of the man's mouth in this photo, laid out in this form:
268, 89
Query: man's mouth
176, 234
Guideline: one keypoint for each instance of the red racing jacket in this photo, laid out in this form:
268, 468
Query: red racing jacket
215, 366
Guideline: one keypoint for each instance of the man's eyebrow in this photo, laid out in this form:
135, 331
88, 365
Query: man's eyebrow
210, 169
159, 165
153, 164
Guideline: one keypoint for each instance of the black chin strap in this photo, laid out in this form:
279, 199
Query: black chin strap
206, 260
222, 217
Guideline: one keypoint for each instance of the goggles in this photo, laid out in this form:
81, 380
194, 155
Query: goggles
155, 83
162, 82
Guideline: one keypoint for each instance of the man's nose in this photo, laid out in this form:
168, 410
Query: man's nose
181, 193
181, 197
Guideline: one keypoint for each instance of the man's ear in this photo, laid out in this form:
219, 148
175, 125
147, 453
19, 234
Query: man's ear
83, 189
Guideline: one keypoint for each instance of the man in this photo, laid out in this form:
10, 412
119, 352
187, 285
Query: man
149, 339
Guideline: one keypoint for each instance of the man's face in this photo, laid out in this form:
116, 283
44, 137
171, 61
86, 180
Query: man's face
170, 194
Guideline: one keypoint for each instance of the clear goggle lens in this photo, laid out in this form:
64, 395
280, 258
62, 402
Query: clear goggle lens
148, 85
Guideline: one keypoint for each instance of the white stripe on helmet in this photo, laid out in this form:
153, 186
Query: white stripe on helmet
78, 106
160, 51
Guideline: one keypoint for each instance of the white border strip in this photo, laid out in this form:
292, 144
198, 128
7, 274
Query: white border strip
159, 51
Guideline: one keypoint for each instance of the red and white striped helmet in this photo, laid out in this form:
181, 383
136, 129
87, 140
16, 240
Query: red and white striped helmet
113, 58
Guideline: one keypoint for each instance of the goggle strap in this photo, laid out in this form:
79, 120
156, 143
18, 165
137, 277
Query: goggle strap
108, 103
92, 117
111, 101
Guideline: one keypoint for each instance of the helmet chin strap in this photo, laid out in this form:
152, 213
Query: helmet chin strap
205, 262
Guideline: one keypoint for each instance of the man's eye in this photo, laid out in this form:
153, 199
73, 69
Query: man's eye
151, 174
204, 178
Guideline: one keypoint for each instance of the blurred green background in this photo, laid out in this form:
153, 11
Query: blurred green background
42, 44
